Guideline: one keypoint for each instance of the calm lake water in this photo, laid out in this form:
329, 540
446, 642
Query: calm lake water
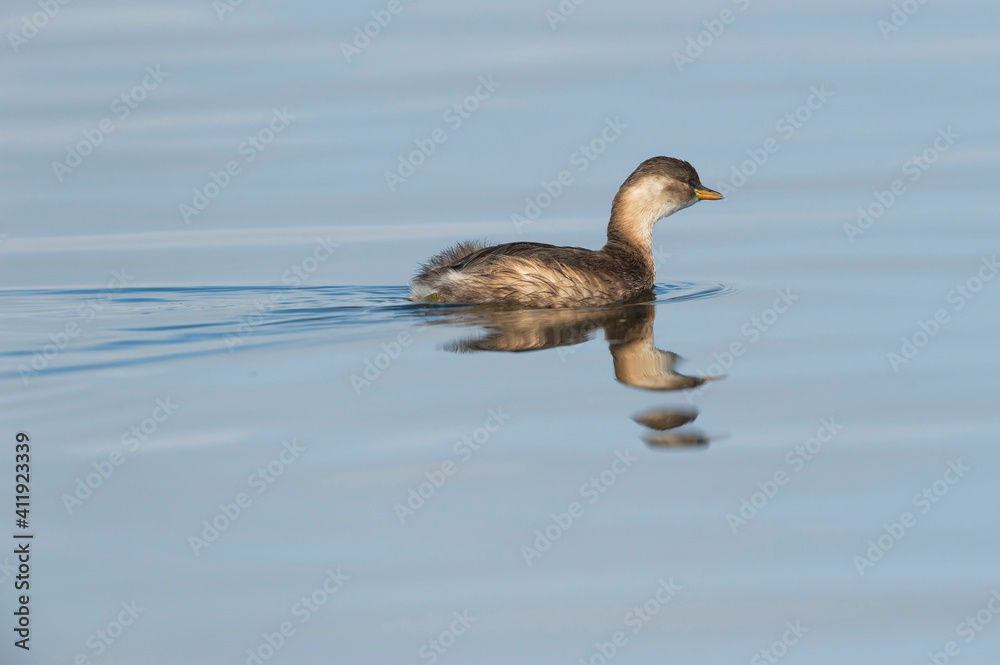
249, 447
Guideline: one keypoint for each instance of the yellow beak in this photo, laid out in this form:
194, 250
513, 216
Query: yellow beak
708, 194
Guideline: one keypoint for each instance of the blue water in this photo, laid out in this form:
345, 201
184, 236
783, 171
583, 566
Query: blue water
248, 445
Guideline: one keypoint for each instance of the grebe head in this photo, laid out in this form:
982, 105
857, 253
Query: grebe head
659, 187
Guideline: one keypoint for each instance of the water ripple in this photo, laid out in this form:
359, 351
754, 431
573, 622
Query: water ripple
64, 330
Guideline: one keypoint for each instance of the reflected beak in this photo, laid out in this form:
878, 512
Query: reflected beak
705, 194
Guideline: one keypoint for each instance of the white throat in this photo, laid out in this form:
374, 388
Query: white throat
642, 206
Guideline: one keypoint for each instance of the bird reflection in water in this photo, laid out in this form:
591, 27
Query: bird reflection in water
628, 330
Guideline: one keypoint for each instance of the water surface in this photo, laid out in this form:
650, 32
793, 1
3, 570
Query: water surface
238, 420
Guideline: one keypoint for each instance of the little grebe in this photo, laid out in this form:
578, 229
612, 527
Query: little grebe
531, 274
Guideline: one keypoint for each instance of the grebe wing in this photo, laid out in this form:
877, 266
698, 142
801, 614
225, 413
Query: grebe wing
519, 249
